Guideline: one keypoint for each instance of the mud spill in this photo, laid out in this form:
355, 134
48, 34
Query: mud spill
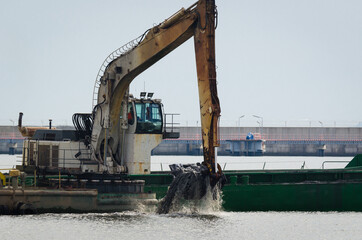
190, 191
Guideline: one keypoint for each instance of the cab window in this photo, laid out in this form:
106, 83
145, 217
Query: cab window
149, 118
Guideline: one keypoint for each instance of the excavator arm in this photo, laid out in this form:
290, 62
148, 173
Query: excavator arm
204, 39
109, 120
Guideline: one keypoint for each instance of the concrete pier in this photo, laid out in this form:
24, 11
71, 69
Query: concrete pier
11, 141
279, 141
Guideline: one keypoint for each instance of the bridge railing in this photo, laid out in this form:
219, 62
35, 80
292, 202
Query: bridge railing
10, 135
279, 137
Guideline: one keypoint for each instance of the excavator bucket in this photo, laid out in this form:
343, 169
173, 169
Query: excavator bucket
191, 182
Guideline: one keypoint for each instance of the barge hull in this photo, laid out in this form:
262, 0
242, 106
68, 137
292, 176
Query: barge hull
282, 190
60, 201
336, 196
293, 197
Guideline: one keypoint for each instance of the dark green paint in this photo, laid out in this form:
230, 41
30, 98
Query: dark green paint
283, 190
293, 197
356, 162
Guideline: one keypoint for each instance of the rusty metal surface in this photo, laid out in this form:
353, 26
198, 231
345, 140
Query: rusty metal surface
29, 131
137, 160
86, 200
49, 199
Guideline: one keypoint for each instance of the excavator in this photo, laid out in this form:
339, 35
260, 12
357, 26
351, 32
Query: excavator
197, 21
118, 135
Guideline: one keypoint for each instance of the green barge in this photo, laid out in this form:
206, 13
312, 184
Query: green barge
253, 190
282, 190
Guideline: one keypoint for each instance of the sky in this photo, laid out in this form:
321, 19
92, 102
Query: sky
287, 61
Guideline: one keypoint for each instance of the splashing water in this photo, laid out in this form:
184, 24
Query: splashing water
190, 191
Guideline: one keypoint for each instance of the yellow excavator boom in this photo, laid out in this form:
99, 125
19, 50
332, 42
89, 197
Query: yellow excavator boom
198, 21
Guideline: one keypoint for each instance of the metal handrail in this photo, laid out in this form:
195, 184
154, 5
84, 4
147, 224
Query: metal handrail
242, 163
171, 125
333, 162
64, 160
112, 56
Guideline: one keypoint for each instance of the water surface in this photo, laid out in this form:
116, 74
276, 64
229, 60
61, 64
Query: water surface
217, 225
185, 224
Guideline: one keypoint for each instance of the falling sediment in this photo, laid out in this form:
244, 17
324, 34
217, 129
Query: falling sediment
191, 185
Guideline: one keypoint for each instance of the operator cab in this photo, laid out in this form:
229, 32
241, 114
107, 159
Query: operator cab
145, 115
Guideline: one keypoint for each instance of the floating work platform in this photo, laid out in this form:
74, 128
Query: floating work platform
252, 190
40, 200
73, 196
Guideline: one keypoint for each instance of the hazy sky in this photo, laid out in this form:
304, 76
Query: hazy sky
283, 60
